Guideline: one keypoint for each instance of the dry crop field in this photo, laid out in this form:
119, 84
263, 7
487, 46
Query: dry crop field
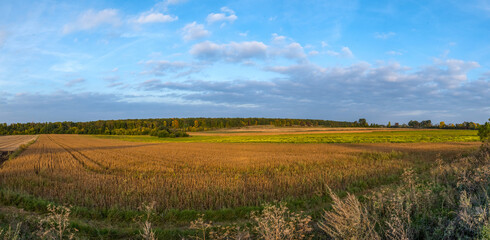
10, 143
104, 173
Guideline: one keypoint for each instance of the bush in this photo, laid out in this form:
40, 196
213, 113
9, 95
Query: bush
484, 131
163, 134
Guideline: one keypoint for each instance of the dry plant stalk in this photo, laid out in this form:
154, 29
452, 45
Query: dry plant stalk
56, 225
147, 233
348, 219
202, 226
276, 222
11, 234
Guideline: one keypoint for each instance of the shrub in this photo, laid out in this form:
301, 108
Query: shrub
56, 225
484, 131
348, 220
163, 134
277, 222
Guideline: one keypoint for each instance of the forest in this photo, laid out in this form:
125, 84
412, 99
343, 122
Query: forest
177, 127
163, 127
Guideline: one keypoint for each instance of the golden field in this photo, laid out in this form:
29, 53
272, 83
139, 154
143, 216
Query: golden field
105, 173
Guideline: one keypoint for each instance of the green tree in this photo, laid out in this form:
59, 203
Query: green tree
484, 131
363, 122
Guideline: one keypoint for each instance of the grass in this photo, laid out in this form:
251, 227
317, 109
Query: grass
412, 136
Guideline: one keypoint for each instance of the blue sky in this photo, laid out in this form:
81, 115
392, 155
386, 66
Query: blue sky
339, 60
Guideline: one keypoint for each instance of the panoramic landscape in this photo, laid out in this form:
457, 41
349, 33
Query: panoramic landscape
184, 119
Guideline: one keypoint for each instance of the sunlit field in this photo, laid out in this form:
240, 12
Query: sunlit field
346, 136
225, 175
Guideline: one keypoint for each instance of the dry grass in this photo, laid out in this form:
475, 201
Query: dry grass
453, 203
56, 225
348, 220
11, 143
101, 173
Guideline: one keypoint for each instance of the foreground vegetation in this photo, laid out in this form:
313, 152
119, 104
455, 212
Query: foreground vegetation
450, 201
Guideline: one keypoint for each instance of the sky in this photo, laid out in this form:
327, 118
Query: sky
335, 60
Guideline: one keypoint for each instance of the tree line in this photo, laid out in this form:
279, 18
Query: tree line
177, 127
441, 125
162, 127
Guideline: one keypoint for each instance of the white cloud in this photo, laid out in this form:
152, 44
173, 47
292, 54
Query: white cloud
384, 35
313, 53
241, 51
278, 38
174, 2
448, 73
73, 82
193, 31
293, 51
226, 15
384, 90
92, 19
163, 6
346, 52
162, 67
324, 44
155, 18
230, 52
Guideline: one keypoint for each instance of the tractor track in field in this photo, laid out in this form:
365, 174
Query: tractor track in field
71, 151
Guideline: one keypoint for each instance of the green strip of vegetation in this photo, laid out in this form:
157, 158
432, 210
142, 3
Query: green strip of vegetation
365, 137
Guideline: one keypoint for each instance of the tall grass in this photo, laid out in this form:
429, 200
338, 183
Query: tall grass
101, 174
452, 203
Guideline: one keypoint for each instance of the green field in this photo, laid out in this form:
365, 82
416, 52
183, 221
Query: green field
348, 137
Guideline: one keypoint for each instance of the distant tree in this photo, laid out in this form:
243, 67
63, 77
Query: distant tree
175, 123
426, 123
442, 125
389, 124
363, 122
414, 124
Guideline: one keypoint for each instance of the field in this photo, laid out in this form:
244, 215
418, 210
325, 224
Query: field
223, 174
317, 136
11, 143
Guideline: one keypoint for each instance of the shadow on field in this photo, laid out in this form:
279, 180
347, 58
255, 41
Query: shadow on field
81, 149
